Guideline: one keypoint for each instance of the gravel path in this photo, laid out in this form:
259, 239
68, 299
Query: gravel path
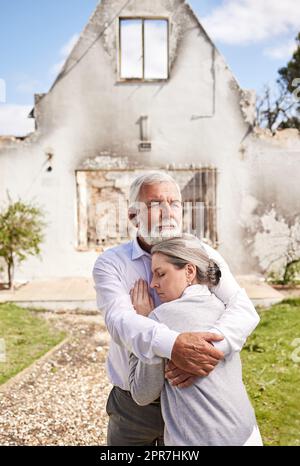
62, 399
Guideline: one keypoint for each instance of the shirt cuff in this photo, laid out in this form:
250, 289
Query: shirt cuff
222, 345
164, 341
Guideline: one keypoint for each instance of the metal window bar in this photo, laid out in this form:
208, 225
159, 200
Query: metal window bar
199, 198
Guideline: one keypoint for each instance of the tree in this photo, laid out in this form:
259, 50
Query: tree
21, 234
291, 72
279, 108
274, 109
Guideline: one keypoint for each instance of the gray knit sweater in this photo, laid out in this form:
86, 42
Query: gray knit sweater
216, 409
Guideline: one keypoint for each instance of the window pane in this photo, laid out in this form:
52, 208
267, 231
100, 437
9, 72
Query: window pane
131, 48
156, 49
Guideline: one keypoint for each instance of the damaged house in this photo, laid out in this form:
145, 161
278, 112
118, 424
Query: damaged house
145, 89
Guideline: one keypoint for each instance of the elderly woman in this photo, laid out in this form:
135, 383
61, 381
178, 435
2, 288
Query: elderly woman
215, 410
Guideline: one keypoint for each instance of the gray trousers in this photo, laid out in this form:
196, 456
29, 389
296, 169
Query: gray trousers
130, 424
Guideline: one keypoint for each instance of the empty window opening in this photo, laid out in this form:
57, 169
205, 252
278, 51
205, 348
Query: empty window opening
144, 49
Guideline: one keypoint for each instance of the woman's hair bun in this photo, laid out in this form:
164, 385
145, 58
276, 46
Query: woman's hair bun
213, 273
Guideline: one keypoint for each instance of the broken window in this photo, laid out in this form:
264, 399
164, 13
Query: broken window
200, 205
144, 49
102, 205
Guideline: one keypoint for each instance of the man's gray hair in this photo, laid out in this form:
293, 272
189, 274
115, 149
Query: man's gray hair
147, 179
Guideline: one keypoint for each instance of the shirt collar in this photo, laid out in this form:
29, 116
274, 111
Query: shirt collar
196, 290
137, 251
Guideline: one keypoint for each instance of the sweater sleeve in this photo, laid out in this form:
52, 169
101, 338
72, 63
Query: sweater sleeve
146, 381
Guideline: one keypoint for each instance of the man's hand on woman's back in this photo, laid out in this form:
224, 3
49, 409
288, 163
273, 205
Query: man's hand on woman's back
193, 356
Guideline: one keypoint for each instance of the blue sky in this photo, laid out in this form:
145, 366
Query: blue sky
256, 38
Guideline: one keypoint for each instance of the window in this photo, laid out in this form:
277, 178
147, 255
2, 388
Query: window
200, 209
144, 49
102, 205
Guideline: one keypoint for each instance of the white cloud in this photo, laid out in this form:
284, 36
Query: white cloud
64, 53
281, 51
252, 21
14, 121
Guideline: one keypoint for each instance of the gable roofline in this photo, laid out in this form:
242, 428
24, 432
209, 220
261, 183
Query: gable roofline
68, 66
64, 68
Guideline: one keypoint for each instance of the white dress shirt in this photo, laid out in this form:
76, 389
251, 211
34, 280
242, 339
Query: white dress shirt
115, 273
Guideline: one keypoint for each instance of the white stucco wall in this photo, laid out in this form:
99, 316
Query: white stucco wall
195, 117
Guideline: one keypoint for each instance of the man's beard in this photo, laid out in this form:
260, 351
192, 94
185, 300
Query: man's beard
158, 233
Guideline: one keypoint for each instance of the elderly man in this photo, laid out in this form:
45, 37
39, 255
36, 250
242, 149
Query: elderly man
156, 211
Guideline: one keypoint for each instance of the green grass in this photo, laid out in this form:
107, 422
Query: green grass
27, 337
272, 377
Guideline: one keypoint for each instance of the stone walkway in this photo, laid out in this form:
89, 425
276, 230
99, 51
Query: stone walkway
61, 399
69, 293
78, 293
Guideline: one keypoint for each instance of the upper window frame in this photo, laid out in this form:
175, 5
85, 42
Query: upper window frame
119, 58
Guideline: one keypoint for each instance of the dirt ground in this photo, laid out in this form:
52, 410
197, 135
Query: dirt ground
61, 399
